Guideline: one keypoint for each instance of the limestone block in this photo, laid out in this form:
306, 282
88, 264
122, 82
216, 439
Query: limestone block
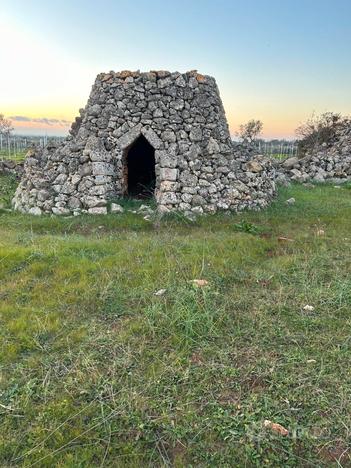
188, 179
290, 163
60, 179
164, 82
180, 81
94, 110
102, 179
98, 210
196, 134
60, 211
67, 188
85, 169
115, 208
168, 186
74, 203
213, 146
43, 195
167, 173
92, 202
167, 198
165, 159
169, 136
151, 137
254, 166
35, 210
102, 168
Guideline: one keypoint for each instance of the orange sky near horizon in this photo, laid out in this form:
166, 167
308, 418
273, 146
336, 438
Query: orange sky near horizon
31, 117
44, 96
274, 127
277, 130
47, 81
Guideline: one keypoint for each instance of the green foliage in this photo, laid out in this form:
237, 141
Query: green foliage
97, 370
250, 131
8, 186
18, 156
245, 226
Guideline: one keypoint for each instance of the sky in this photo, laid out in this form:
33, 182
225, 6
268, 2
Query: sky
279, 61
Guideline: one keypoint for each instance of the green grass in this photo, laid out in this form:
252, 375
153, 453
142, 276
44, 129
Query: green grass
18, 156
8, 186
282, 156
98, 371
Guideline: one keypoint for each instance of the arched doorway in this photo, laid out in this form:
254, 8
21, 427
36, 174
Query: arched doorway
140, 169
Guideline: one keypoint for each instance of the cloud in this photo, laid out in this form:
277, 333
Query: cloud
41, 120
20, 118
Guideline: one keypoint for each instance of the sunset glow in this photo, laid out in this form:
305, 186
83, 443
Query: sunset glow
278, 64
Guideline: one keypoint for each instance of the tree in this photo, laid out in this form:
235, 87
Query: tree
250, 131
5, 126
5, 130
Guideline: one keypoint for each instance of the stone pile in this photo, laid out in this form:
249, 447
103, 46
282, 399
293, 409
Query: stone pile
180, 118
328, 162
8, 166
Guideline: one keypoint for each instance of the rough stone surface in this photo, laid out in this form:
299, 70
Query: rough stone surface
115, 208
198, 168
8, 166
330, 161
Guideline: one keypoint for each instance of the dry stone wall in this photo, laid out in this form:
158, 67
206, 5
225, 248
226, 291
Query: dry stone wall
197, 167
330, 161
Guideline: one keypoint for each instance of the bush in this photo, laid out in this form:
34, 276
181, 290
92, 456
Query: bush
319, 129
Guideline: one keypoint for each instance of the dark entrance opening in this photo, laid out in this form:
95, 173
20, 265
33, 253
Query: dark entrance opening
141, 177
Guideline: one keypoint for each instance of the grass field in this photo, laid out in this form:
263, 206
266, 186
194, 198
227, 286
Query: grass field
97, 370
19, 156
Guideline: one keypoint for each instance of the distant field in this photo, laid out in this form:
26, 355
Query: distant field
280, 156
18, 156
96, 370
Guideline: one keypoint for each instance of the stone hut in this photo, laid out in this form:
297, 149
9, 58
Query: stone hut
156, 134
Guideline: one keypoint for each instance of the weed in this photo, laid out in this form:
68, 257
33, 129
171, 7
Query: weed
245, 226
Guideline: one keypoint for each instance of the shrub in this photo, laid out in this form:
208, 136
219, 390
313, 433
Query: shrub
319, 129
